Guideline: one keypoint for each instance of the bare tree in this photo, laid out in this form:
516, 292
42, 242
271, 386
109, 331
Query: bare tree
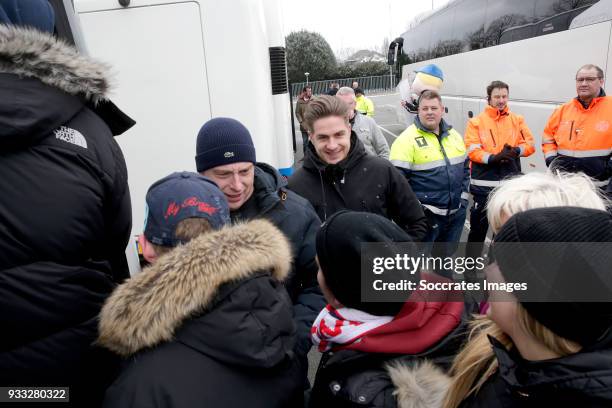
497, 27
565, 5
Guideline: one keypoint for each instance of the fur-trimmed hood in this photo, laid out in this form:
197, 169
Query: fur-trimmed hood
29, 53
421, 386
149, 308
45, 84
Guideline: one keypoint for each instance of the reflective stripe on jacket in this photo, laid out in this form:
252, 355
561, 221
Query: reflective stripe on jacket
436, 166
580, 140
486, 135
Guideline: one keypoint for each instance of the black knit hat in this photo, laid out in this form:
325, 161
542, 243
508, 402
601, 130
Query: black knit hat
223, 141
339, 253
563, 255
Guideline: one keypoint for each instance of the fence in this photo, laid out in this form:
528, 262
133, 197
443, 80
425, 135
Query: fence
370, 85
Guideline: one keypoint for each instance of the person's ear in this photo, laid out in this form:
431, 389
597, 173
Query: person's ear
148, 252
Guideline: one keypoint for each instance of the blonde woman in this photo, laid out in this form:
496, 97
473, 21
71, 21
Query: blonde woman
537, 190
526, 353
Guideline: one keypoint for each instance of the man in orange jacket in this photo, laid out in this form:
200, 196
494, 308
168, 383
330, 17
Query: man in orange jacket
578, 135
495, 140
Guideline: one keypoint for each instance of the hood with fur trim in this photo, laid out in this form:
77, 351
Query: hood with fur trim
44, 83
30, 53
421, 386
173, 298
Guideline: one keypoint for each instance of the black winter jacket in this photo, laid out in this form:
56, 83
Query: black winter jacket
580, 380
208, 325
350, 378
65, 215
296, 218
360, 182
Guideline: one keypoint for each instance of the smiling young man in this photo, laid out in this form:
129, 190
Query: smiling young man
578, 135
338, 174
495, 140
225, 154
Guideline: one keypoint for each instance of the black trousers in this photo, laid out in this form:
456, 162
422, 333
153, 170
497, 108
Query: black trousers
479, 225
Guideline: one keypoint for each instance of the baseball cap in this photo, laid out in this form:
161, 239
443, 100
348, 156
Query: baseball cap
179, 196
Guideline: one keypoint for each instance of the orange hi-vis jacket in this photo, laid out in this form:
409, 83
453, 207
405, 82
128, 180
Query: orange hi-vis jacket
486, 135
580, 140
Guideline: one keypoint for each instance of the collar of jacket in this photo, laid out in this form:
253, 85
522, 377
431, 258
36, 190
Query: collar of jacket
581, 373
33, 54
148, 308
495, 113
595, 101
268, 187
444, 127
314, 163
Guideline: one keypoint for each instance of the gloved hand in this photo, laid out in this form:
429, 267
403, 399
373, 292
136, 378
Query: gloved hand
508, 153
513, 152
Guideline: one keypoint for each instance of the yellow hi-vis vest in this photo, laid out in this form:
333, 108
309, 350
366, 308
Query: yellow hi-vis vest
437, 168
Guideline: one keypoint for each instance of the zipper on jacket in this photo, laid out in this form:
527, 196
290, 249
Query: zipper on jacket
492, 137
571, 130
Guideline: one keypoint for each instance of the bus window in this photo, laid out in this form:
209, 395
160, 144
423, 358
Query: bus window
502, 15
442, 42
549, 8
469, 23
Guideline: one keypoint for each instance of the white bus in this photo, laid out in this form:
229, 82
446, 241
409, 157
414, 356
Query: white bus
536, 46
178, 64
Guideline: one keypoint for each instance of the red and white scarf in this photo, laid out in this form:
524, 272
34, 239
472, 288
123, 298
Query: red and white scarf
343, 326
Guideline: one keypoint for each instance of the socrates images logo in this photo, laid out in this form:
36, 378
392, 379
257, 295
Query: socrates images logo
70, 135
227, 155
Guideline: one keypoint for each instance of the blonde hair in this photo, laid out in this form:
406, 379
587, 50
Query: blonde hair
540, 190
476, 362
185, 230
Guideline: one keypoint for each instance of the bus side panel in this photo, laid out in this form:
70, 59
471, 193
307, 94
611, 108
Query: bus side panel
456, 116
536, 115
539, 69
158, 57
608, 68
237, 37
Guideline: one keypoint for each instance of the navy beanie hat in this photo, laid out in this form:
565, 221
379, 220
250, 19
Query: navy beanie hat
223, 141
38, 14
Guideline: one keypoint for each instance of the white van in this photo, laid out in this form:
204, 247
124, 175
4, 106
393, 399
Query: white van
179, 63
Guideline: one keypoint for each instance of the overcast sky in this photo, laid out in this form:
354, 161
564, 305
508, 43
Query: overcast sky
354, 24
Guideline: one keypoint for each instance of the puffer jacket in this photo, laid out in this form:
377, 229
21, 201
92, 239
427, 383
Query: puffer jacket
406, 360
296, 218
208, 325
579, 380
360, 182
65, 215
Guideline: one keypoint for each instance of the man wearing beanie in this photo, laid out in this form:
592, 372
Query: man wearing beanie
556, 348
374, 351
65, 212
225, 153
338, 174
196, 330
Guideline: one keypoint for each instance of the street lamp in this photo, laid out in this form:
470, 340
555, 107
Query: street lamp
306, 73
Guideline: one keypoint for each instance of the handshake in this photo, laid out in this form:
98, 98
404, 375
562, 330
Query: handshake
507, 154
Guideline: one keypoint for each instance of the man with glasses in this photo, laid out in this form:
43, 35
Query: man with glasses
578, 135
